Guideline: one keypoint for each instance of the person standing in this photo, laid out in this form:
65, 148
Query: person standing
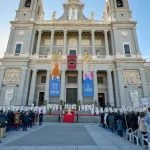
25, 121
2, 124
120, 127
41, 117
147, 123
17, 119
142, 126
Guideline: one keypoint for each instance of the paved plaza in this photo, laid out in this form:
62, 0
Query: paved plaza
65, 137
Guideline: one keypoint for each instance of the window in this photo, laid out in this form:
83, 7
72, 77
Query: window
43, 79
18, 48
72, 52
71, 79
127, 49
85, 42
100, 80
59, 42
119, 3
27, 3
98, 42
47, 42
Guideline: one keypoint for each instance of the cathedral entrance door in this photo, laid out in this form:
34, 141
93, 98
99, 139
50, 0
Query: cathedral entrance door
71, 96
101, 99
41, 98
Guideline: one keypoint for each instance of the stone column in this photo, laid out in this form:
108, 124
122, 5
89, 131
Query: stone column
2, 73
38, 42
47, 95
95, 87
136, 41
106, 42
112, 42
21, 86
26, 89
65, 41
93, 42
32, 87
33, 40
63, 83
116, 88
80, 86
52, 41
80, 42
121, 86
144, 83
110, 88
21, 4
10, 40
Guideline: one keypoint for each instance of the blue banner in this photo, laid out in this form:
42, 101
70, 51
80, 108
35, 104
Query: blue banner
88, 87
54, 86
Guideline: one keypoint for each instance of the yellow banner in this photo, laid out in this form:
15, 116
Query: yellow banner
87, 64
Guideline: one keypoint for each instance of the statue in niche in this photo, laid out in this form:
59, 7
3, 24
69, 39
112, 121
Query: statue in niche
92, 15
98, 53
85, 52
73, 14
134, 98
59, 52
54, 15
27, 3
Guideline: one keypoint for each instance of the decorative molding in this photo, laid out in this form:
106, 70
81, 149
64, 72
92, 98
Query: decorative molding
124, 33
21, 32
131, 77
12, 75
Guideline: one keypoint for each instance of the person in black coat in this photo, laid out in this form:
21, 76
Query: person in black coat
41, 117
2, 124
133, 121
25, 121
31, 119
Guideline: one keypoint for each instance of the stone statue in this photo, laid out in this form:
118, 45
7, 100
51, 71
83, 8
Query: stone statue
85, 52
98, 53
73, 14
92, 15
134, 98
54, 15
8, 96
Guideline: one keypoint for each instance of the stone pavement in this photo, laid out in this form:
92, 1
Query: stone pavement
57, 136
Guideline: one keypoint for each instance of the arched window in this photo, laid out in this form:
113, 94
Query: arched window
119, 3
27, 3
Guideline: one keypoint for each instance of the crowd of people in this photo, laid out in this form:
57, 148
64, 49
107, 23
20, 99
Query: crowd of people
14, 121
119, 122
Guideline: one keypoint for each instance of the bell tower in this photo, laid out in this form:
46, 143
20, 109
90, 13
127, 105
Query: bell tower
30, 10
117, 10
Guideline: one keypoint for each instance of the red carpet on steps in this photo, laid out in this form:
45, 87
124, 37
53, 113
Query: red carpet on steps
69, 118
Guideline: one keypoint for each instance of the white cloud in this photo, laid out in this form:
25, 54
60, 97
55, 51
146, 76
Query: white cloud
4, 35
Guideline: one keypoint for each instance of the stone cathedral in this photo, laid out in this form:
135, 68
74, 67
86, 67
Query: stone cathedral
73, 48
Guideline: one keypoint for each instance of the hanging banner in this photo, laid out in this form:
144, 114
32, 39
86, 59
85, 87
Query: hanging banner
87, 76
72, 60
55, 75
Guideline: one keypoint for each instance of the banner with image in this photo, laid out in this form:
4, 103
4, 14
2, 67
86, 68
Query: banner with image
87, 76
55, 75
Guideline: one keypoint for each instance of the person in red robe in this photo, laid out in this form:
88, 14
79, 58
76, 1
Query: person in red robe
17, 120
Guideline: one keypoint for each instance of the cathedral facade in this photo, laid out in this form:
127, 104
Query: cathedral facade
93, 61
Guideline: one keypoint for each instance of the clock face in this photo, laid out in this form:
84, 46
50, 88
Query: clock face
119, 3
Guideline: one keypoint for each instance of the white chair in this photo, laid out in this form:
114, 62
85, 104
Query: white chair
129, 134
135, 135
144, 138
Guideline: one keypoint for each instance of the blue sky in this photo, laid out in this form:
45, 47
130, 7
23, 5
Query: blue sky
140, 13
